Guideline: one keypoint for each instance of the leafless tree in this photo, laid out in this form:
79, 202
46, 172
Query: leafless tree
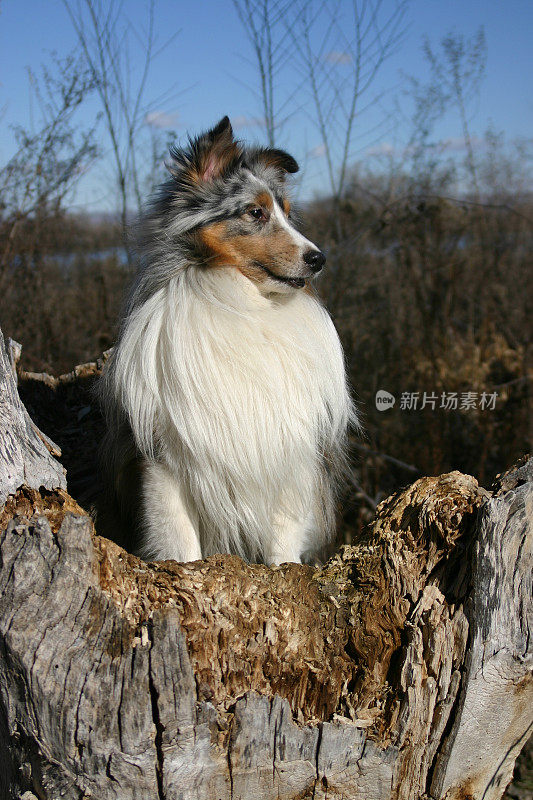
265, 24
50, 158
335, 60
456, 69
340, 57
107, 40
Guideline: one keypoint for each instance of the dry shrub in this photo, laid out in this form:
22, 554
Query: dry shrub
61, 281
430, 296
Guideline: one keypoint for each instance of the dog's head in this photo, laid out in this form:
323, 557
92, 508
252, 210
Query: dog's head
229, 204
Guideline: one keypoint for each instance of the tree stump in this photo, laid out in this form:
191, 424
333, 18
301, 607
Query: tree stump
400, 670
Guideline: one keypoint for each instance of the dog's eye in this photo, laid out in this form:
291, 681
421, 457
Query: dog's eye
257, 213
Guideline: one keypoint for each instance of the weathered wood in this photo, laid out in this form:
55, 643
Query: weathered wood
495, 712
220, 680
24, 452
401, 670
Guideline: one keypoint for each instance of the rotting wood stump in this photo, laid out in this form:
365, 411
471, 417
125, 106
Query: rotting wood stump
399, 670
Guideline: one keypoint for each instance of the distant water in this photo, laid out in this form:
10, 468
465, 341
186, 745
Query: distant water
69, 260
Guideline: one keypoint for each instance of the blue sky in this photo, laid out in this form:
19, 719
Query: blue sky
209, 64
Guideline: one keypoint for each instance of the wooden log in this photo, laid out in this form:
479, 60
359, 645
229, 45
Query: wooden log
401, 670
24, 451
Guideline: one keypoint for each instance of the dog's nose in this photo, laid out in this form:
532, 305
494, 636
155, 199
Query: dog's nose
314, 259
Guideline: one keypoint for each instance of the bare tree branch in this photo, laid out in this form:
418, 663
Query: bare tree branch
105, 37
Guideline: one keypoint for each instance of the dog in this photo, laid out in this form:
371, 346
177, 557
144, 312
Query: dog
225, 397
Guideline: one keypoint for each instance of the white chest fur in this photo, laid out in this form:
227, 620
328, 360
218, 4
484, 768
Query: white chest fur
240, 395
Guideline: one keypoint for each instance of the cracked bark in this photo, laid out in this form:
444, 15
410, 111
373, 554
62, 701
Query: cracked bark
399, 670
159, 728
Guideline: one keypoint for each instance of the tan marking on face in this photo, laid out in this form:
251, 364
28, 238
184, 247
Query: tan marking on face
286, 206
218, 245
276, 250
264, 200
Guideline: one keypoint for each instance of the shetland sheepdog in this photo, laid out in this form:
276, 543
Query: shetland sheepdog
225, 396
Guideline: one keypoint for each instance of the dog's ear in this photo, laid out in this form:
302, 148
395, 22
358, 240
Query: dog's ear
209, 156
279, 159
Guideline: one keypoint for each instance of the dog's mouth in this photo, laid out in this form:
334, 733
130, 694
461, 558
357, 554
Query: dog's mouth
297, 283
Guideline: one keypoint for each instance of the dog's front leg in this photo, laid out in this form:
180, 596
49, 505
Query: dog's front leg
290, 538
170, 526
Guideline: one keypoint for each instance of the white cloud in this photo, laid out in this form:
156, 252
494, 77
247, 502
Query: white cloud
454, 144
161, 119
319, 151
338, 57
457, 143
247, 122
383, 149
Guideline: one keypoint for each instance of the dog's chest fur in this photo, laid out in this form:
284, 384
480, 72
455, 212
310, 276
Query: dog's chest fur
246, 400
